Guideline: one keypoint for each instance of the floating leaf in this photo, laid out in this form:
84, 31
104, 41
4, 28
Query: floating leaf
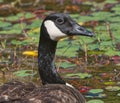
34, 25
4, 25
101, 95
114, 22
118, 94
95, 91
25, 14
111, 52
93, 52
16, 42
112, 88
1, 1
12, 31
80, 75
19, 26
109, 83
118, 83
23, 73
29, 15
66, 50
111, 1
12, 18
85, 18
101, 15
34, 30
95, 101
116, 8
66, 65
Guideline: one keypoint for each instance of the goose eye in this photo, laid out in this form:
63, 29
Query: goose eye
60, 20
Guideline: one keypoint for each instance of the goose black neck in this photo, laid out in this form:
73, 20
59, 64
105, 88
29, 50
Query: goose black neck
47, 69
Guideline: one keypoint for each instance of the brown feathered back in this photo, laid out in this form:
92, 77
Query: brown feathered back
56, 93
19, 92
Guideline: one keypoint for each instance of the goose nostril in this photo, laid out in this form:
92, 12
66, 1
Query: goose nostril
80, 28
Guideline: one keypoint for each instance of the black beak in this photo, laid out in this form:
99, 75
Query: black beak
78, 30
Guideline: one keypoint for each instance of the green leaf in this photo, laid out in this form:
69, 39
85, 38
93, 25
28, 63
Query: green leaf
35, 24
1, 1
111, 52
66, 65
109, 83
111, 1
16, 42
114, 20
118, 83
5, 24
118, 94
112, 88
23, 73
93, 52
80, 75
66, 50
12, 31
19, 26
101, 15
95, 91
95, 101
12, 18
116, 8
29, 15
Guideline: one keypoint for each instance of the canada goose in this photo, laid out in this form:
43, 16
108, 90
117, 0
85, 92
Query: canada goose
55, 27
54, 90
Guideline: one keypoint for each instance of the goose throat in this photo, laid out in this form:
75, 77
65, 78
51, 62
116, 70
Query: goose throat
47, 69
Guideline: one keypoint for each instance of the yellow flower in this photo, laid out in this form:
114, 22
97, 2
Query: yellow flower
30, 53
81, 23
34, 30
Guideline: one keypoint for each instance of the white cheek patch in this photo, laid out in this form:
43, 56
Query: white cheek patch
53, 31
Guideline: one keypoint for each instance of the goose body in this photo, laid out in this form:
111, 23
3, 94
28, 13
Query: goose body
19, 92
54, 89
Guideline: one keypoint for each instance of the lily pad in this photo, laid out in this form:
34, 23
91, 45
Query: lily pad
4, 24
95, 101
66, 65
101, 15
118, 83
111, 1
118, 94
66, 50
24, 73
95, 91
102, 95
112, 88
116, 8
26, 15
11, 18
80, 75
1, 1
109, 83
34, 24
12, 31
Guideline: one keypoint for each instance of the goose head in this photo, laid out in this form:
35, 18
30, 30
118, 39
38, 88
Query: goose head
60, 25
